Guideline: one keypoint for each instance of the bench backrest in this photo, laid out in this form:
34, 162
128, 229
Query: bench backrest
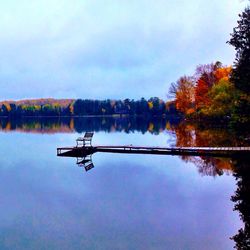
88, 135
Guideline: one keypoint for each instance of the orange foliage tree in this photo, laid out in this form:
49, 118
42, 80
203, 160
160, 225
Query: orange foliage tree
200, 94
205, 80
183, 91
209, 76
223, 73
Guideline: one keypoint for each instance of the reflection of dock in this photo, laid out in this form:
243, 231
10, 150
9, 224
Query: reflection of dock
84, 147
83, 151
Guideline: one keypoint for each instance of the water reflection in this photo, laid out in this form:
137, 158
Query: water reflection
85, 161
241, 198
210, 166
125, 124
183, 134
206, 165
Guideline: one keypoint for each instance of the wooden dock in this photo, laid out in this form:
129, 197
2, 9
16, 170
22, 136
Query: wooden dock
84, 148
129, 149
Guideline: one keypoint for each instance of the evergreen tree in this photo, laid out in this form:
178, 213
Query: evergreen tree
240, 39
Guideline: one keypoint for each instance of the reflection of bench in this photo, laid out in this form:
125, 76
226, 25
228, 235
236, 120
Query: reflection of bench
85, 162
88, 167
85, 141
82, 161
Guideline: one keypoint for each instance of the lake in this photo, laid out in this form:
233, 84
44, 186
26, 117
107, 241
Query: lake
125, 201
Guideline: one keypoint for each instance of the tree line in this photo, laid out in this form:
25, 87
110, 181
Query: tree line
81, 107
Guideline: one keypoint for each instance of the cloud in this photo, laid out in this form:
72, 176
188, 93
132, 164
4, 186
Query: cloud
108, 49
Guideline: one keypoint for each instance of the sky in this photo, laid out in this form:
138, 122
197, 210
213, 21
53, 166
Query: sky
103, 49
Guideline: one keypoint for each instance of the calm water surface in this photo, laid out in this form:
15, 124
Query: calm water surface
124, 202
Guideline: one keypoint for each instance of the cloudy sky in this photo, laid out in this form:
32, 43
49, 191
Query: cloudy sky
109, 49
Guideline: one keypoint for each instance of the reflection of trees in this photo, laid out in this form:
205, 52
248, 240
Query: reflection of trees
185, 135
242, 202
36, 125
127, 124
209, 165
195, 135
189, 135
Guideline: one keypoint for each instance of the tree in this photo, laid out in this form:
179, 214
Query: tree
222, 96
183, 91
206, 72
206, 77
240, 39
5, 109
202, 99
223, 73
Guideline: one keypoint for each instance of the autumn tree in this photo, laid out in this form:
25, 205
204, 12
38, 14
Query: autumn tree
205, 78
206, 72
183, 92
217, 99
222, 73
222, 95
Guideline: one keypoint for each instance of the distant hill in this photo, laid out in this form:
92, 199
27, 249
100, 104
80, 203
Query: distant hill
40, 101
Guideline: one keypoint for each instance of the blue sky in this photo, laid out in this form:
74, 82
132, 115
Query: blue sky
109, 49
